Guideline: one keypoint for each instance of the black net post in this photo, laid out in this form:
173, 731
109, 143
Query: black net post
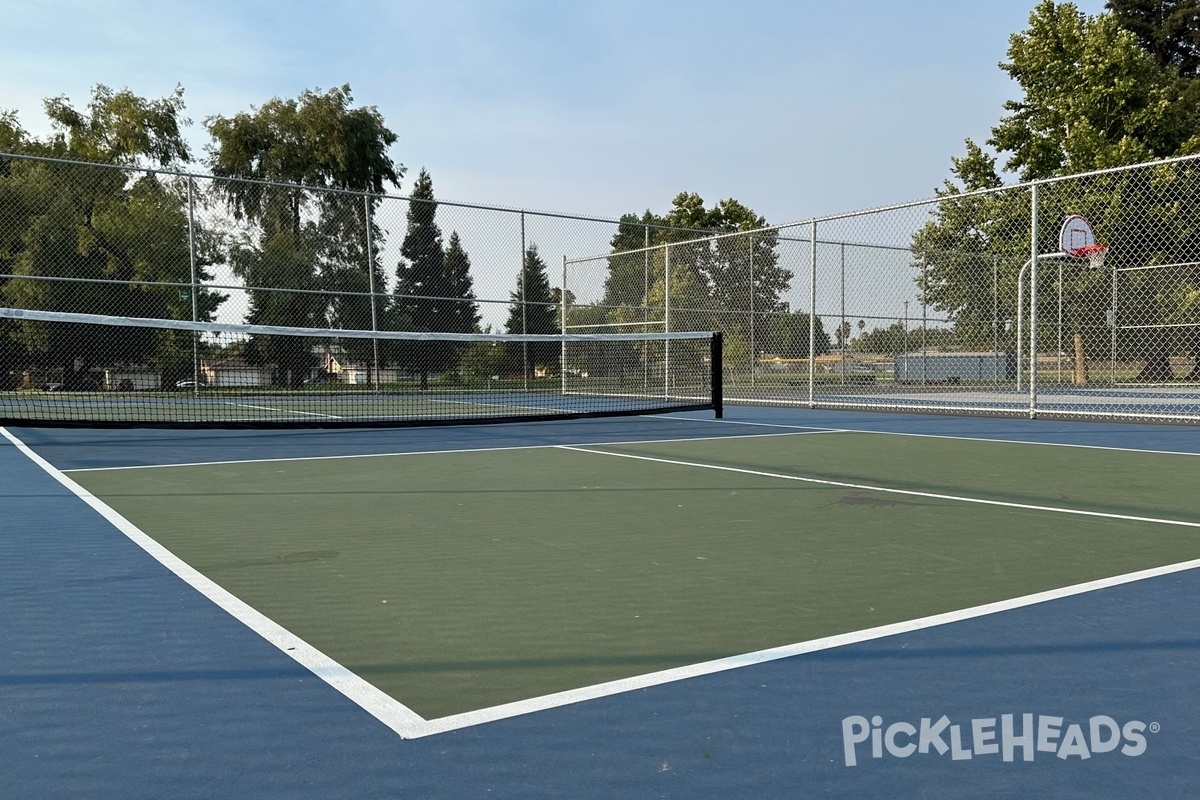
718, 373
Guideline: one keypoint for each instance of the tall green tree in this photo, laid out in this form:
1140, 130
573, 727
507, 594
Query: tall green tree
125, 227
715, 282
433, 286
271, 160
533, 310
464, 312
1092, 97
787, 336
1168, 29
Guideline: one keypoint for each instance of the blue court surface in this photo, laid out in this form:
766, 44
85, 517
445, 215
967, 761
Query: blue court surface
120, 680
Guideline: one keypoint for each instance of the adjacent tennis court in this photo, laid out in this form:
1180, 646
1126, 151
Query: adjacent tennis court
587, 583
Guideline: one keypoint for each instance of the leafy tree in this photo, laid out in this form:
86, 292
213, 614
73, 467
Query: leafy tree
627, 280
787, 336
125, 227
304, 239
709, 278
282, 262
482, 361
1093, 97
533, 310
317, 140
901, 338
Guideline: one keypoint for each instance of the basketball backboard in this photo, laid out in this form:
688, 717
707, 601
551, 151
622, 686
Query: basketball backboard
1076, 236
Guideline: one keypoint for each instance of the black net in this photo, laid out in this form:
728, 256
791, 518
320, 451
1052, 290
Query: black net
91, 370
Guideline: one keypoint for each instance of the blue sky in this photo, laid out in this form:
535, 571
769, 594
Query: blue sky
795, 108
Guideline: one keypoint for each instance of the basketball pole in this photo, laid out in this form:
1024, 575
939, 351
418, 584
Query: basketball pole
1033, 312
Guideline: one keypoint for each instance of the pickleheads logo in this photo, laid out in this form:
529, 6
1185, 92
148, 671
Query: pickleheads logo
1028, 734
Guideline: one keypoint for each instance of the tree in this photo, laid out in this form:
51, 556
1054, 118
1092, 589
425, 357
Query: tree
533, 310
741, 272
433, 286
1093, 97
305, 240
899, 337
123, 226
1168, 29
843, 335
787, 336
710, 277
627, 282
464, 312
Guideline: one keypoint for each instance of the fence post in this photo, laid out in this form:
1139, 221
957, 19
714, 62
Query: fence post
667, 320
524, 316
841, 336
996, 319
1033, 299
646, 300
562, 327
367, 213
753, 337
812, 315
195, 286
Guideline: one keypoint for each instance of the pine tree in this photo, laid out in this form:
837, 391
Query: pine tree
1168, 29
533, 310
422, 295
464, 312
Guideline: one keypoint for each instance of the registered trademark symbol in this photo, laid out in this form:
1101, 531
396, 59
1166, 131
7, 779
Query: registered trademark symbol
1155, 727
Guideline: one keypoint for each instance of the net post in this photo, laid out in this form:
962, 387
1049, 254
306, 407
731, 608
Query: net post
718, 372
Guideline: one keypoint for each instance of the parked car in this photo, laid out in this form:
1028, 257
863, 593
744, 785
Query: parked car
190, 384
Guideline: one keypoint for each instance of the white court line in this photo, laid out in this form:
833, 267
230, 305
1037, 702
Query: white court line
386, 709
1022, 441
408, 724
945, 436
870, 488
284, 410
433, 452
597, 691
724, 421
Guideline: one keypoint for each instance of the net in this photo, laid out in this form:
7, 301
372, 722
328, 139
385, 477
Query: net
1094, 253
66, 369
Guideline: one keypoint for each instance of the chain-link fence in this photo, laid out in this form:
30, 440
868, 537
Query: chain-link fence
951, 303
947, 304
99, 239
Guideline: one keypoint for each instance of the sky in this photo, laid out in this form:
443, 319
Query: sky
793, 107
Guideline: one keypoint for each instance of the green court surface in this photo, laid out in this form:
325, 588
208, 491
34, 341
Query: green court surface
456, 581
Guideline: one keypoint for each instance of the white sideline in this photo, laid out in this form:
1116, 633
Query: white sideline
948, 436
387, 710
869, 488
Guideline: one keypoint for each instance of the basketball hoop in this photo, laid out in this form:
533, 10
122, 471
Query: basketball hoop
1077, 241
1094, 253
